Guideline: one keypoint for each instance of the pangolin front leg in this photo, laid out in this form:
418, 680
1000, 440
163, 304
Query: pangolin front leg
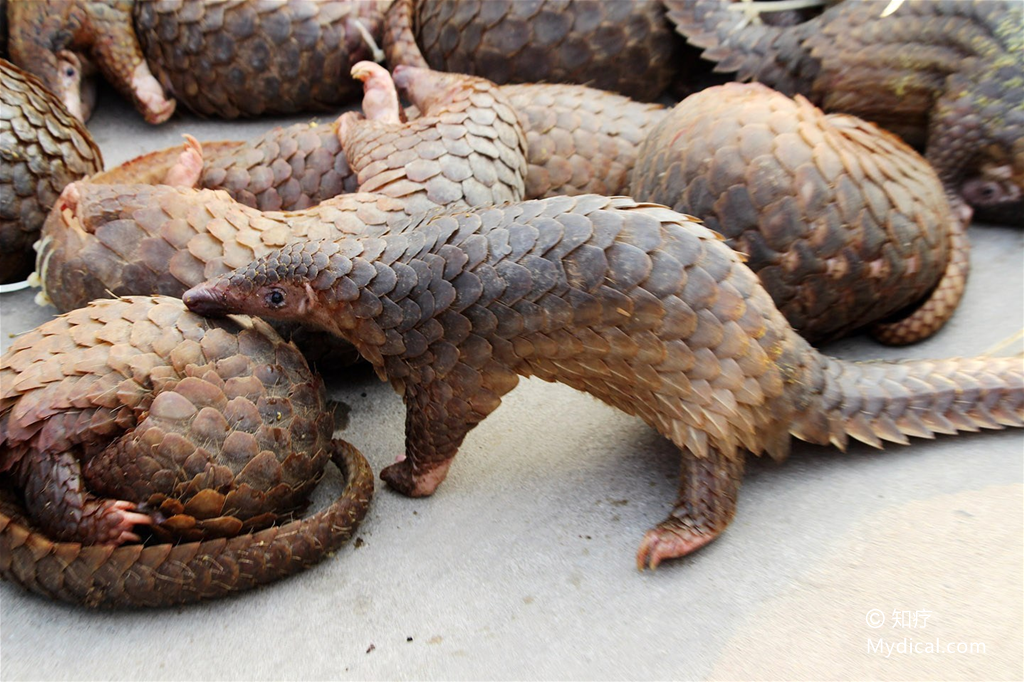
438, 417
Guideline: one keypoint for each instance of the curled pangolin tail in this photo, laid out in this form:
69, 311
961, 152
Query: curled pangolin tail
102, 576
935, 310
400, 47
888, 401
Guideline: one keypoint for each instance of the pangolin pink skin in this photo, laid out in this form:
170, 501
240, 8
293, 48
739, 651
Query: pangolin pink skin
640, 306
69, 70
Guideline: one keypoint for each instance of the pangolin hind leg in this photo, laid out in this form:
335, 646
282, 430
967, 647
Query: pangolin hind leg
708, 489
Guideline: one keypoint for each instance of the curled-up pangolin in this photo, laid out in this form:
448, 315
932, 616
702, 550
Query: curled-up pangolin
229, 59
135, 417
945, 76
42, 148
636, 304
624, 46
845, 225
44, 32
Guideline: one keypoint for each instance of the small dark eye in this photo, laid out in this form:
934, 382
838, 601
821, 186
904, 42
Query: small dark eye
275, 299
69, 72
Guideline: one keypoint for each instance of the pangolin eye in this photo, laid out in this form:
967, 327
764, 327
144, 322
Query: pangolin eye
275, 299
69, 72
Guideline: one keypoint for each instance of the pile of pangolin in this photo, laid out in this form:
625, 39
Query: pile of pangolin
155, 452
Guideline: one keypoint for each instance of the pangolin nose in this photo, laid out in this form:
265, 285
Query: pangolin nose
204, 301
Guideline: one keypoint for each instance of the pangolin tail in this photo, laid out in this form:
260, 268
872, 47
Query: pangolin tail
130, 576
889, 401
743, 44
400, 45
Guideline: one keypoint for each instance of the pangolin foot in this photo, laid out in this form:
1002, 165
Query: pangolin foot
151, 101
670, 539
405, 480
189, 167
116, 521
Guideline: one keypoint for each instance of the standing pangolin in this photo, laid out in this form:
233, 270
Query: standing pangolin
42, 148
946, 76
136, 414
635, 304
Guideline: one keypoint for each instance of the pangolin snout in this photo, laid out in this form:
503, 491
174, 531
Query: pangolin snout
205, 300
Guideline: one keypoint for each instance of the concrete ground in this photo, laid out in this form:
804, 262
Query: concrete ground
522, 565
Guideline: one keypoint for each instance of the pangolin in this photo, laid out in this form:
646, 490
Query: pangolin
43, 32
844, 224
579, 140
636, 304
624, 46
946, 76
135, 415
42, 149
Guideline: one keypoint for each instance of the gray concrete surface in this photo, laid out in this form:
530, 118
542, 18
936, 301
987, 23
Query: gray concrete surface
522, 565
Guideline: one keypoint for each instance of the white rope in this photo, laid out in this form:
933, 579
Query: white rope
378, 54
13, 286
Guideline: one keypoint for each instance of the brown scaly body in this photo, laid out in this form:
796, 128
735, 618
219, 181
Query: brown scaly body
946, 76
227, 58
135, 413
467, 145
635, 304
579, 140
42, 148
601, 44
844, 224
41, 31
141, 239
285, 169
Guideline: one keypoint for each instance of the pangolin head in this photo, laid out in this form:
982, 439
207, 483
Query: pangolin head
287, 284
